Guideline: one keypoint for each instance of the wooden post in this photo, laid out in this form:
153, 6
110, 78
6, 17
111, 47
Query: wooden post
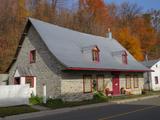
44, 94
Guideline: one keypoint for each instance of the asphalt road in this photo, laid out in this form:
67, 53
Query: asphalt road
141, 110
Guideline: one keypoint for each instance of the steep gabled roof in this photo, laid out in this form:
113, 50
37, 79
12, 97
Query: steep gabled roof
67, 45
150, 63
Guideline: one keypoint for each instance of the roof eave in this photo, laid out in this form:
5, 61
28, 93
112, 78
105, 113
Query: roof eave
105, 69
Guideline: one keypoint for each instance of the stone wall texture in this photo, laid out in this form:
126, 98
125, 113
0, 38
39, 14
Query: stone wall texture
46, 68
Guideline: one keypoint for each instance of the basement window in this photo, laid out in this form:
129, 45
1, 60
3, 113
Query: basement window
32, 56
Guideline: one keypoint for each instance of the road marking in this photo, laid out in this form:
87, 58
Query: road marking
126, 113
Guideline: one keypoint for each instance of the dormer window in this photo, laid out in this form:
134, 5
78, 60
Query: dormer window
91, 53
120, 56
32, 56
95, 54
124, 58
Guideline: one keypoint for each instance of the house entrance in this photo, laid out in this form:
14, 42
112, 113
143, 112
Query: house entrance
115, 85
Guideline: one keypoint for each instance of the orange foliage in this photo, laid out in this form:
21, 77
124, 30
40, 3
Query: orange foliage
145, 32
130, 42
135, 33
94, 14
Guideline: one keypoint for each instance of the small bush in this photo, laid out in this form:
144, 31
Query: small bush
34, 100
144, 92
51, 101
55, 103
99, 96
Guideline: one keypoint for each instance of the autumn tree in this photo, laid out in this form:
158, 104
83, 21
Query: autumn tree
92, 17
146, 33
139, 33
130, 42
155, 16
128, 12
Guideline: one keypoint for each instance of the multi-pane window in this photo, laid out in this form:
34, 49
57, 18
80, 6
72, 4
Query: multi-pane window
156, 79
135, 81
100, 82
95, 54
30, 81
32, 56
87, 83
128, 81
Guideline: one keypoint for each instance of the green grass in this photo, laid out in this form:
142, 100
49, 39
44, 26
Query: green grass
98, 98
58, 103
122, 97
152, 92
8, 111
62, 104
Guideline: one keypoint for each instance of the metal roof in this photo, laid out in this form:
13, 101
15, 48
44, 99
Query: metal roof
150, 63
66, 45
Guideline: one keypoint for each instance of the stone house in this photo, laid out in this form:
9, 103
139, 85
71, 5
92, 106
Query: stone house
152, 79
73, 65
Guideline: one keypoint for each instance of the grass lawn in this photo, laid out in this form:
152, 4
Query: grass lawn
147, 93
55, 104
8, 111
97, 98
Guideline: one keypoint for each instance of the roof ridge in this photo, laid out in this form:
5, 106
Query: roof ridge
62, 27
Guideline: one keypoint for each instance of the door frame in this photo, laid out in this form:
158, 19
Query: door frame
34, 83
116, 77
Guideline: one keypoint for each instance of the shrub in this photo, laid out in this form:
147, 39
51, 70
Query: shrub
144, 92
34, 100
99, 96
55, 103
51, 101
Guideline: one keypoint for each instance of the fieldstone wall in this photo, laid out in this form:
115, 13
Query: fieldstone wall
46, 68
132, 90
72, 85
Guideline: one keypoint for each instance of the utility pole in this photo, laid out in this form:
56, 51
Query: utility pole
148, 81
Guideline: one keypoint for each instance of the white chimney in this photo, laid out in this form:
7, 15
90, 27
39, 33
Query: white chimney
109, 34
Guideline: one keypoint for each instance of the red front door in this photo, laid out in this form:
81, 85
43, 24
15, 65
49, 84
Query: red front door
115, 84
